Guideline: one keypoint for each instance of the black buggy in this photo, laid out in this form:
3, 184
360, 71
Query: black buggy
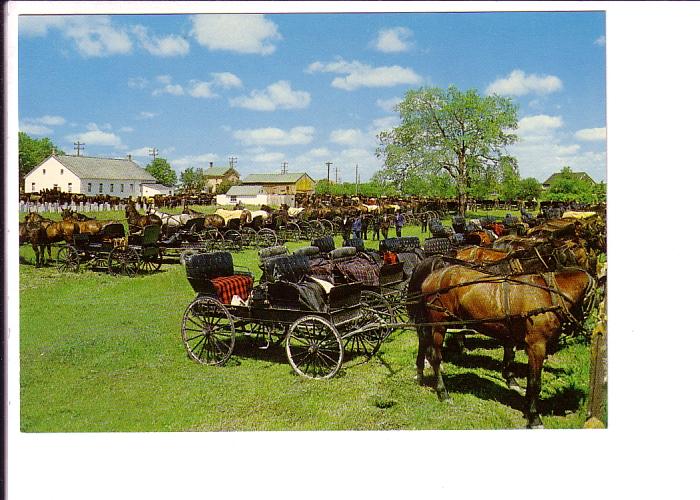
315, 322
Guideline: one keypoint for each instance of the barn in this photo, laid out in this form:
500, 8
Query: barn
214, 176
89, 175
282, 184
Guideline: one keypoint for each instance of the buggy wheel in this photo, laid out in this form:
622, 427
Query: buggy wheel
233, 238
327, 227
151, 263
376, 313
213, 240
123, 261
265, 238
314, 348
208, 331
68, 260
293, 231
247, 236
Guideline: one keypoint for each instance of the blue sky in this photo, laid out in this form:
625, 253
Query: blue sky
305, 88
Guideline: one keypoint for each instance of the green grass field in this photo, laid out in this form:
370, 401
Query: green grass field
102, 353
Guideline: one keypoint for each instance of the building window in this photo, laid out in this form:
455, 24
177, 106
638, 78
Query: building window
100, 188
70, 187
55, 186
33, 187
89, 187
43, 171
122, 188
132, 188
61, 171
111, 188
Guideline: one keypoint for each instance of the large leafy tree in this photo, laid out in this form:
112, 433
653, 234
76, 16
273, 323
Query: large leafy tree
530, 189
34, 151
192, 180
446, 130
567, 186
162, 171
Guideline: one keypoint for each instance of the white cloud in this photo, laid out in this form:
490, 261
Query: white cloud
278, 95
39, 25
243, 33
518, 83
195, 161
538, 124
226, 80
393, 40
384, 123
347, 136
147, 115
94, 136
319, 153
363, 75
388, 105
95, 36
268, 158
201, 89
164, 79
141, 152
50, 120
167, 46
137, 82
274, 136
170, 89
591, 134
126, 129
600, 41
34, 128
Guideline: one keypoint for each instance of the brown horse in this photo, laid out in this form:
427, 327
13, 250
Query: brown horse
211, 221
138, 221
34, 233
86, 224
526, 310
55, 231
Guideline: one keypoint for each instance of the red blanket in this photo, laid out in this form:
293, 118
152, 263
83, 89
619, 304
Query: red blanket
228, 286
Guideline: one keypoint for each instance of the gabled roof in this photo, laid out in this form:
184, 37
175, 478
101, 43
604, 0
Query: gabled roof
249, 190
288, 178
217, 171
581, 175
159, 187
90, 167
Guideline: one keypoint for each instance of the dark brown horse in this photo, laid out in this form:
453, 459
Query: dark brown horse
211, 221
34, 233
55, 231
525, 310
86, 224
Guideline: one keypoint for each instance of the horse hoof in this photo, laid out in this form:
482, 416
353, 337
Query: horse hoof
535, 426
515, 387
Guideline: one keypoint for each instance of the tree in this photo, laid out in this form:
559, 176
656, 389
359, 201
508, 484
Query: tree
429, 184
509, 187
458, 133
162, 171
225, 185
569, 187
33, 151
530, 189
192, 181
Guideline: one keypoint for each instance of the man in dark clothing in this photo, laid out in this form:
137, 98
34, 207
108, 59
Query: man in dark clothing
423, 222
399, 222
357, 227
375, 227
365, 225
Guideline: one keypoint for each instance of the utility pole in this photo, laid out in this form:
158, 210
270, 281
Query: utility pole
328, 173
76, 146
336, 174
357, 181
284, 167
153, 152
232, 161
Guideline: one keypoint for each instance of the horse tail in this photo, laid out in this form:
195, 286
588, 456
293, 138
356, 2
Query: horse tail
415, 301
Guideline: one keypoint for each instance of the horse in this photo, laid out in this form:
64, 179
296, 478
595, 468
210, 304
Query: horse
170, 222
86, 224
136, 220
56, 231
211, 221
529, 310
34, 233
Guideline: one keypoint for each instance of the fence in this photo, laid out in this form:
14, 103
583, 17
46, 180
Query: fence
25, 207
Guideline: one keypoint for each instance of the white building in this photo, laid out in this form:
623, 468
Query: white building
90, 176
149, 190
248, 195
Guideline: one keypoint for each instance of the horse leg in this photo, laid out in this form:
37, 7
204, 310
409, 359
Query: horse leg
37, 254
423, 338
435, 358
508, 369
536, 353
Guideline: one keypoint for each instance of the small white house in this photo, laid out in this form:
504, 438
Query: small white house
88, 175
248, 195
149, 190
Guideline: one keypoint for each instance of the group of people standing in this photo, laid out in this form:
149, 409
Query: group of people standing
360, 225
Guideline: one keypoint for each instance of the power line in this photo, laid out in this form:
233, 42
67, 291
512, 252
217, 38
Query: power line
77, 146
328, 173
284, 167
153, 152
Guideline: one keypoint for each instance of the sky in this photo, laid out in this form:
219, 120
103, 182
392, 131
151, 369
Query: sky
306, 89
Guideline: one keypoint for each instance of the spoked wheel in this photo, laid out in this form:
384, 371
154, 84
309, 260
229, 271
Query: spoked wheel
124, 261
265, 238
314, 348
151, 261
370, 326
214, 240
233, 238
327, 227
248, 236
68, 260
208, 332
316, 229
293, 231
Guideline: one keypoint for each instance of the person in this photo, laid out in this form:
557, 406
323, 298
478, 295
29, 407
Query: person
375, 227
365, 225
423, 222
384, 225
399, 222
357, 227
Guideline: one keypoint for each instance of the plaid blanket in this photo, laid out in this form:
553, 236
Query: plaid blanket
321, 268
228, 286
359, 269
409, 260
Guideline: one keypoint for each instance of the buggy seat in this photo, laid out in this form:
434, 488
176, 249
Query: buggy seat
214, 274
